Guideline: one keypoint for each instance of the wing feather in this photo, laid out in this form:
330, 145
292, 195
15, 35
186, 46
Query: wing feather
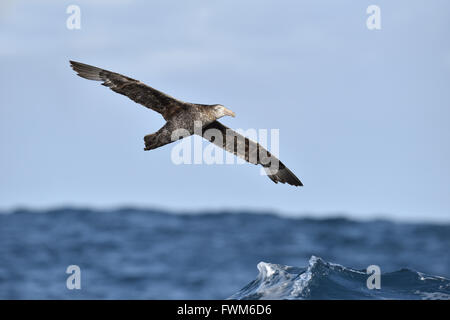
251, 152
133, 89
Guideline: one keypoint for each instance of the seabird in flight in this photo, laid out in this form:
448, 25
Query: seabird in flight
184, 115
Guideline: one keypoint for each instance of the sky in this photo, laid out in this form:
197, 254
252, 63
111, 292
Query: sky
363, 115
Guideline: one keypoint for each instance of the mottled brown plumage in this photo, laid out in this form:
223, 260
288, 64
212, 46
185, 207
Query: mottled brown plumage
184, 115
251, 152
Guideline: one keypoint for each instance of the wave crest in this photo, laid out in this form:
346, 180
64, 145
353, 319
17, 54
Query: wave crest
325, 280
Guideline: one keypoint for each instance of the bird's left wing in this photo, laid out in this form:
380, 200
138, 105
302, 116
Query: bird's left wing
250, 151
135, 90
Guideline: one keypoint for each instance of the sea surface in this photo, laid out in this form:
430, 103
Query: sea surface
151, 254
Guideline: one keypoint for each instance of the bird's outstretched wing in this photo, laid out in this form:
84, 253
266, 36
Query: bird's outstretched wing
133, 89
250, 151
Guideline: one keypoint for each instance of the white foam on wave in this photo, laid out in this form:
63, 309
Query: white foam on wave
265, 269
274, 281
324, 280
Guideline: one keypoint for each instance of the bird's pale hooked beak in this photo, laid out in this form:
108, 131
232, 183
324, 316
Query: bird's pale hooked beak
230, 113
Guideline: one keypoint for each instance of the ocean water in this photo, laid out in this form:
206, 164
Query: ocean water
151, 254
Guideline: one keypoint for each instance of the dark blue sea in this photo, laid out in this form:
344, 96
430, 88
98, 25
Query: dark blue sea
151, 254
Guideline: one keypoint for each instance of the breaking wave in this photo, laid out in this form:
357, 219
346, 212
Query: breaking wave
325, 280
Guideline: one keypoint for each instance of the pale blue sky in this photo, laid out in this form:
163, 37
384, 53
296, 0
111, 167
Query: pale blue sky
363, 115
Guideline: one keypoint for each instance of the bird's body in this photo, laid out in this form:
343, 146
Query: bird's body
187, 116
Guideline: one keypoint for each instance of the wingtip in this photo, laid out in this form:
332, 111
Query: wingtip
73, 63
86, 71
284, 175
295, 184
298, 182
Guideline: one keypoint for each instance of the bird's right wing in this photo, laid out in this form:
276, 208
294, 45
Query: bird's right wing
133, 89
250, 151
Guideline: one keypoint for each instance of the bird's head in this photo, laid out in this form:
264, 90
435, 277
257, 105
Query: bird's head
220, 111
